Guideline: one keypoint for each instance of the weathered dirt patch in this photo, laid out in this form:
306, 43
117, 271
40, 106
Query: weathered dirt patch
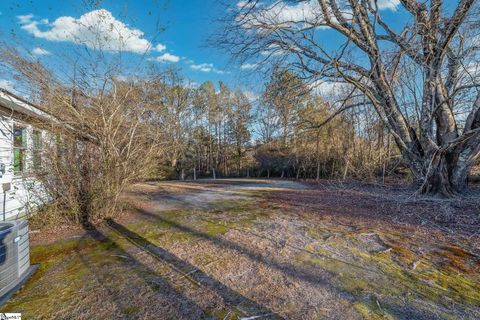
240, 249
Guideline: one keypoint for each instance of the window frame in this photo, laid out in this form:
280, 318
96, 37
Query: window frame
22, 149
37, 141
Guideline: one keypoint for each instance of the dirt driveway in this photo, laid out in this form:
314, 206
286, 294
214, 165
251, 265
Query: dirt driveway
250, 249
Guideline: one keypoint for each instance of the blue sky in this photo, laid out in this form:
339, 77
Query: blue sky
159, 32
183, 27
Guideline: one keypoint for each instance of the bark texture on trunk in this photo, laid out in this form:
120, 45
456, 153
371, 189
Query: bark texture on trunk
446, 176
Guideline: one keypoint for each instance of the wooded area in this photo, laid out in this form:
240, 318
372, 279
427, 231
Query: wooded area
329, 170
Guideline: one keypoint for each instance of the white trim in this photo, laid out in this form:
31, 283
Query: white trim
20, 106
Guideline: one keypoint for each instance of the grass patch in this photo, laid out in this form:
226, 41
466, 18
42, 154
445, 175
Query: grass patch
394, 273
373, 273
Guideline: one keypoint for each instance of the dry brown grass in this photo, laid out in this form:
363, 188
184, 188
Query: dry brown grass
236, 249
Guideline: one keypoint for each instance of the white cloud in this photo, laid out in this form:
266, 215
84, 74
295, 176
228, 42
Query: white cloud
40, 52
308, 11
248, 66
246, 4
204, 67
388, 4
241, 4
96, 29
274, 50
25, 18
263, 16
7, 85
188, 61
280, 12
167, 57
160, 47
328, 89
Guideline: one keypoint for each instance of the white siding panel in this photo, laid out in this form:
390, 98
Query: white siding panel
25, 192
6, 147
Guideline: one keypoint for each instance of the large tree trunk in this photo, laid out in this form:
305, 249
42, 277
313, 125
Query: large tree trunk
446, 176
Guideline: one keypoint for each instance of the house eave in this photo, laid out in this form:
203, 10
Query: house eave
16, 104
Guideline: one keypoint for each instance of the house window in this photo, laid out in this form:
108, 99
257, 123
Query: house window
19, 146
37, 149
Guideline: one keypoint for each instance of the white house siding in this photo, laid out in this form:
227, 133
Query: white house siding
25, 192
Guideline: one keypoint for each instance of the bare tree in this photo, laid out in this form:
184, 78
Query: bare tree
98, 140
169, 104
417, 76
239, 119
98, 145
285, 93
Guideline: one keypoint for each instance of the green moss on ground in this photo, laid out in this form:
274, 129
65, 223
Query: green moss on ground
394, 273
377, 269
169, 227
60, 275
70, 269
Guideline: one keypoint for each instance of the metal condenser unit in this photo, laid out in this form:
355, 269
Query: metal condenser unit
15, 266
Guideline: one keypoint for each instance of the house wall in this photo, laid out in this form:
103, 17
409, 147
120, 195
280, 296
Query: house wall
24, 190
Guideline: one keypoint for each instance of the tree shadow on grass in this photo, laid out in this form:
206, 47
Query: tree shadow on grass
304, 274
232, 298
180, 305
286, 268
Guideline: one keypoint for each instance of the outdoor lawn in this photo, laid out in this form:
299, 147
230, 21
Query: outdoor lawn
247, 159
258, 249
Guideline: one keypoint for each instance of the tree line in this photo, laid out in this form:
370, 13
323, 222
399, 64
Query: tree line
115, 131
213, 131
403, 105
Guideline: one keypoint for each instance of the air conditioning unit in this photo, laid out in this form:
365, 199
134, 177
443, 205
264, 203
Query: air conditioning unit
15, 268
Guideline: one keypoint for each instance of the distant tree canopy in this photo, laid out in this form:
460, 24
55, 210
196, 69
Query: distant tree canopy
302, 138
214, 131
